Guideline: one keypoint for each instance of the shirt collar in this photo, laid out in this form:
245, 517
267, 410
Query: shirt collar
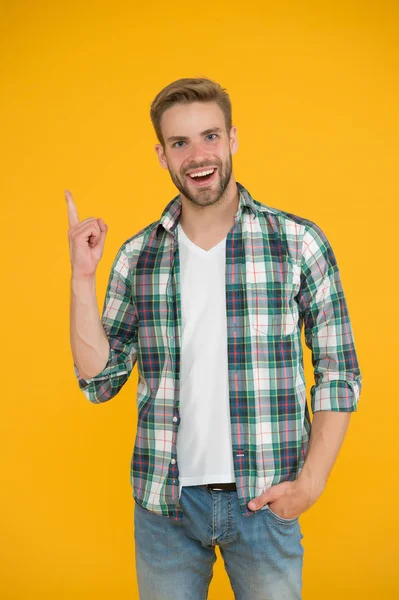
171, 214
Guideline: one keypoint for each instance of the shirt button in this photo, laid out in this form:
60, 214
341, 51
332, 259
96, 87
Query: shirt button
174, 419
173, 461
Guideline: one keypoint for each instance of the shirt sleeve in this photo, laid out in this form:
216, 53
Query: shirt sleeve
327, 328
120, 323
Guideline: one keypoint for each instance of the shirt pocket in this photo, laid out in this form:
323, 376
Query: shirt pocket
273, 308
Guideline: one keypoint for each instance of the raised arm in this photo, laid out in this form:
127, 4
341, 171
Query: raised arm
89, 344
104, 350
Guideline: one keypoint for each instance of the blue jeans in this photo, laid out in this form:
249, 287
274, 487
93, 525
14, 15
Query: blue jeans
262, 553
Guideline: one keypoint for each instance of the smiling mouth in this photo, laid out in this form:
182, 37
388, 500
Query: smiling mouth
203, 180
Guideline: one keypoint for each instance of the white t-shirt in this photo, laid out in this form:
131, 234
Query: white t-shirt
204, 445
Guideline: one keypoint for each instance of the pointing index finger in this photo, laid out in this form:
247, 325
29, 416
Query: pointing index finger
72, 211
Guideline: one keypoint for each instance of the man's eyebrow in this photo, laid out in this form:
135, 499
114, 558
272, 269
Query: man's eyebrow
185, 138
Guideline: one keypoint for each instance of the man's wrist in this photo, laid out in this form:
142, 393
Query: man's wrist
79, 283
314, 486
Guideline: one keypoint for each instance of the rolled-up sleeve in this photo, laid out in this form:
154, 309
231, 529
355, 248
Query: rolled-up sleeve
120, 322
327, 327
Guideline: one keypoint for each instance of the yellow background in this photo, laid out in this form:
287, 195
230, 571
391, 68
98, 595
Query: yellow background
315, 96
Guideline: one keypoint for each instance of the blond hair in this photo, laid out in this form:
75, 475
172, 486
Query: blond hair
184, 91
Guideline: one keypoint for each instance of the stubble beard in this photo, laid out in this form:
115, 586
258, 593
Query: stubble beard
206, 197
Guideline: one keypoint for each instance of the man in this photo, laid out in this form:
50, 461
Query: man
210, 301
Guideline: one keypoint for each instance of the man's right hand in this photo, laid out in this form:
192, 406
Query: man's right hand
86, 241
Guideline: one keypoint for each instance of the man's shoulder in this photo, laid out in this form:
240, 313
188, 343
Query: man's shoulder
292, 223
137, 240
284, 215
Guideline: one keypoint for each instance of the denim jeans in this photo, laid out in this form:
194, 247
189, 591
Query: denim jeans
262, 553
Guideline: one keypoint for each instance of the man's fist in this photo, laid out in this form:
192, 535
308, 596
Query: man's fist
86, 241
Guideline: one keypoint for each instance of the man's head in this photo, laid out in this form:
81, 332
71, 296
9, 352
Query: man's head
192, 120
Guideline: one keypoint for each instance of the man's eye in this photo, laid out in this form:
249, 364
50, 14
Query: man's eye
175, 145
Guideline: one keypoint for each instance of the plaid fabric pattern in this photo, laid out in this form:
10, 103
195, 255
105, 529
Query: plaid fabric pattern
281, 274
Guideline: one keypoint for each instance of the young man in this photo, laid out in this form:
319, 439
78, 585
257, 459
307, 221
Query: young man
210, 301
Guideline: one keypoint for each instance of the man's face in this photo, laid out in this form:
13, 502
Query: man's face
196, 140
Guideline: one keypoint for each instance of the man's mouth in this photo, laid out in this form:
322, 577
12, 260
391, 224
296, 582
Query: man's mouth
203, 178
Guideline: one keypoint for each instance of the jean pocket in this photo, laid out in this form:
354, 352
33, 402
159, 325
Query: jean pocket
281, 520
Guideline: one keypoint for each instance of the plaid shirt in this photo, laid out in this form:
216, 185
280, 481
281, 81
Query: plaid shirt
280, 273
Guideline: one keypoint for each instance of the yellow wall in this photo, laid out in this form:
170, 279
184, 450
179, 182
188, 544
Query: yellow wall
315, 97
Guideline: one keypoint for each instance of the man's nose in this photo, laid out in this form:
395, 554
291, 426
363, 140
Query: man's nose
198, 152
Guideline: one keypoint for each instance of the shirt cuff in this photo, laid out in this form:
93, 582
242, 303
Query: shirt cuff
336, 395
111, 369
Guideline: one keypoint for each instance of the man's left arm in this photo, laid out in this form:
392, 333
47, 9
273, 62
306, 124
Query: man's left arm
338, 381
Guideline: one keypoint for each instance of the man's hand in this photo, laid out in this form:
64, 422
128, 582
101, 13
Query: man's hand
288, 499
86, 241
291, 498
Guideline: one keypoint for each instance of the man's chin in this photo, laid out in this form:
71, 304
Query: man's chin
203, 197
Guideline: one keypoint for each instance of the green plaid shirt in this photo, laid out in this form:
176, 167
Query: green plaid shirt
281, 273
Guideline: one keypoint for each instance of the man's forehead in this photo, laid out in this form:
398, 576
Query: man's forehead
192, 119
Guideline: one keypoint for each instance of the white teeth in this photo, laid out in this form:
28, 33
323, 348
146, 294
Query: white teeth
202, 173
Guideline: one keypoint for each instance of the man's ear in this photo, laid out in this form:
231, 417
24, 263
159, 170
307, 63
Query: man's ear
233, 140
161, 156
